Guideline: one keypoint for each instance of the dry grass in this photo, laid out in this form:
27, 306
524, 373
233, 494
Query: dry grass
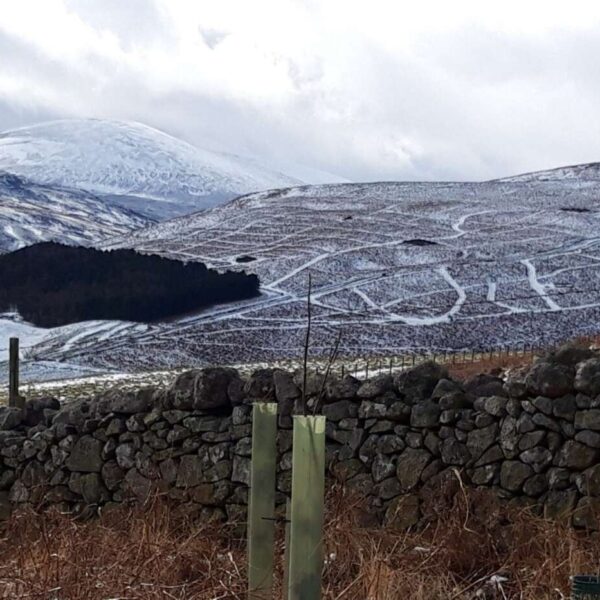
154, 553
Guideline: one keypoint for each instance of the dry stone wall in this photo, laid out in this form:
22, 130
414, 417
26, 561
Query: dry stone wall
532, 436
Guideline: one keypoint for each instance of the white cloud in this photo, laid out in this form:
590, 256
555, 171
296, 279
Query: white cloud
378, 90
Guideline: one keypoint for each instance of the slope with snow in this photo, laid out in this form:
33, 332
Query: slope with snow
133, 164
395, 267
31, 213
588, 172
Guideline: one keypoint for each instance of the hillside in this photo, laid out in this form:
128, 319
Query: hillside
134, 165
396, 267
31, 213
588, 172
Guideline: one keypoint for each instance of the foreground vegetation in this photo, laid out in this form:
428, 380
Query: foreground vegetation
474, 547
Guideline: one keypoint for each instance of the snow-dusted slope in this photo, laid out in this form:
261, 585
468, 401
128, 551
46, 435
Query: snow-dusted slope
31, 213
141, 167
575, 173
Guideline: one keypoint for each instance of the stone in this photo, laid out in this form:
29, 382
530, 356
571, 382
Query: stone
383, 466
211, 494
571, 353
444, 387
347, 469
550, 379
368, 450
574, 455
241, 470
589, 481
587, 377
86, 455
413, 439
90, 486
125, 456
509, 437
483, 420
388, 489
588, 419
558, 478
559, 504
484, 475
410, 465
565, 407
485, 385
454, 453
342, 409
531, 439
375, 387
403, 512
587, 513
138, 485
589, 438
417, 384
546, 422
112, 475
390, 444
543, 404
10, 417
190, 471
371, 410
513, 475
492, 455
495, 405
538, 457
525, 423
285, 388
116, 400
479, 440
344, 388
399, 412
425, 415
18, 493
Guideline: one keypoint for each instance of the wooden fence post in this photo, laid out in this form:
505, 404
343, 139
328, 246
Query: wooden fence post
14, 399
308, 491
261, 507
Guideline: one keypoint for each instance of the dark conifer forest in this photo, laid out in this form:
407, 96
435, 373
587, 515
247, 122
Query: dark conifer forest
52, 284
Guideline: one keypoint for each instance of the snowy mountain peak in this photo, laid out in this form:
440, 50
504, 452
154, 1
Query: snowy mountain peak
133, 162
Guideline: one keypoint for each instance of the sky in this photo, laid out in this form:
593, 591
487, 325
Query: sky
377, 90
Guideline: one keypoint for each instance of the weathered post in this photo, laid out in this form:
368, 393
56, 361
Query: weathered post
13, 372
308, 491
261, 509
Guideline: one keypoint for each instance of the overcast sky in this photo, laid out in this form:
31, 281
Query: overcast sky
368, 89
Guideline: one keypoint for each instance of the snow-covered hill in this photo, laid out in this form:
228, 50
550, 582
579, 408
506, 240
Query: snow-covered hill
575, 173
135, 165
395, 267
31, 213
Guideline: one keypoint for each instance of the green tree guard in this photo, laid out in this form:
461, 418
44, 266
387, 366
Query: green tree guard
308, 491
261, 509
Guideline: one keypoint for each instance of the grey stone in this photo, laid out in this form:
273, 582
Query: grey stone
10, 417
403, 512
241, 470
495, 405
574, 455
535, 486
86, 455
342, 409
509, 437
587, 513
418, 383
454, 453
565, 407
425, 414
543, 404
479, 440
125, 456
513, 475
588, 419
388, 488
587, 377
375, 387
559, 505
558, 478
531, 439
369, 410
347, 469
383, 466
544, 421
549, 379
484, 475
112, 475
589, 481
410, 465
342, 389
492, 455
285, 388
589, 438
539, 458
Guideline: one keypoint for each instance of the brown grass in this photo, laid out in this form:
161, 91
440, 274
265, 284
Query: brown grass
135, 554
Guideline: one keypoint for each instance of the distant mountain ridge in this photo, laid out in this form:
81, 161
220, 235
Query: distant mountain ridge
31, 213
134, 165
